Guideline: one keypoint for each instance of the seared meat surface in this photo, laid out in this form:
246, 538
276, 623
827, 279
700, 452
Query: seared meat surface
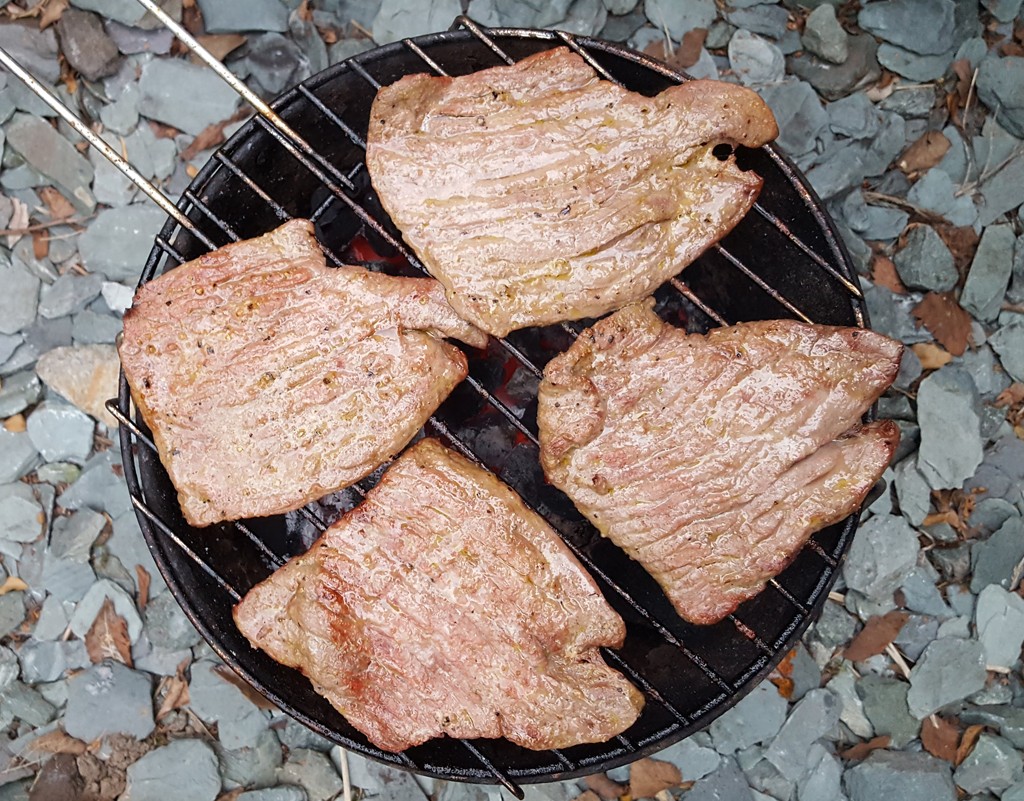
442, 605
711, 459
269, 379
537, 192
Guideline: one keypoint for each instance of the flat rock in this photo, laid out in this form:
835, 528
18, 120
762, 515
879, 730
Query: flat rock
52, 155
66, 579
68, 294
284, 792
797, 108
86, 45
835, 626
911, 65
45, 661
1008, 342
12, 612
34, 49
1000, 475
948, 412
727, 781
813, 717
61, 432
53, 620
131, 40
254, 15
26, 704
17, 455
925, 262
72, 536
1002, 190
128, 12
922, 26
999, 617
239, 721
920, 593
990, 272
883, 552
885, 705
679, 18
986, 371
754, 59
755, 719
158, 776
854, 116
694, 761
397, 20
1003, 10
824, 36
168, 625
183, 95
91, 603
1007, 720
110, 698
913, 492
313, 771
999, 87
767, 19
936, 192
844, 685
92, 328
823, 777
117, 243
994, 560
253, 767
900, 774
949, 670
834, 81
20, 298
994, 764
100, 487
86, 375
21, 517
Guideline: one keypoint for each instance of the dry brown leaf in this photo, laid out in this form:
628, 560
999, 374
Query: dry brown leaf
967, 742
12, 584
175, 696
231, 677
883, 273
860, 750
221, 44
939, 737
604, 787
59, 206
107, 638
57, 742
946, 320
962, 242
688, 52
1011, 396
16, 423
40, 245
648, 777
925, 153
932, 356
781, 676
144, 579
876, 635
51, 13
231, 795
948, 517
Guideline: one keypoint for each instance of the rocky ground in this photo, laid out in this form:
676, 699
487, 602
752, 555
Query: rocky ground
908, 118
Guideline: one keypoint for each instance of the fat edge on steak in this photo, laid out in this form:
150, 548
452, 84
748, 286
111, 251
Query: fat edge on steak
269, 379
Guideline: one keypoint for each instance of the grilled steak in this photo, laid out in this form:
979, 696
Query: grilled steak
537, 192
269, 379
712, 459
442, 605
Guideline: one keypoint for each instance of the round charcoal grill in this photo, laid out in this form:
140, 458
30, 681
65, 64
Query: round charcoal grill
783, 260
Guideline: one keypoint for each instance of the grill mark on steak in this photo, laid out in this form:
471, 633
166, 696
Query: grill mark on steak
442, 605
269, 379
711, 459
563, 196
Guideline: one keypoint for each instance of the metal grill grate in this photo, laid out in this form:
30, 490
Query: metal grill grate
266, 175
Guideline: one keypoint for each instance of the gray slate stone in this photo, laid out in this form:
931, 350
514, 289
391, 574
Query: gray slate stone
913, 66
254, 15
397, 20
26, 704
1001, 190
900, 774
72, 536
983, 366
20, 298
101, 486
854, 116
754, 59
999, 617
727, 781
885, 705
843, 684
949, 670
86, 45
1008, 342
167, 624
823, 776
1007, 720
802, 120
68, 294
813, 717
17, 455
990, 273
925, 262
935, 192
835, 626
184, 95
824, 36
21, 516
284, 792
53, 620
920, 593
239, 721
695, 761
680, 17
755, 719
12, 612
314, 771
110, 698
384, 781
53, 156
994, 560
766, 19
34, 49
1003, 10
60, 432
92, 602
849, 162
131, 40
1001, 474
994, 764
923, 26
8, 667
118, 241
48, 661
1000, 82
835, 81
948, 411
158, 776
883, 552
91, 328
913, 492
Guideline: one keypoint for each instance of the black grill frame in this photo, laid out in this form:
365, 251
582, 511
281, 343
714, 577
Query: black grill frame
197, 565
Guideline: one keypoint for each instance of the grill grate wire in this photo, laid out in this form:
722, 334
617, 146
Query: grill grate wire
339, 187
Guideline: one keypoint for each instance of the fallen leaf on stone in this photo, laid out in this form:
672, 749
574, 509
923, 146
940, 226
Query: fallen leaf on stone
107, 638
648, 777
967, 742
883, 273
604, 787
144, 579
925, 153
949, 517
231, 677
689, 48
860, 750
946, 320
175, 690
962, 242
57, 742
18, 222
221, 44
51, 13
932, 356
211, 136
56, 204
12, 584
40, 245
939, 737
876, 635
231, 795
587, 795
781, 676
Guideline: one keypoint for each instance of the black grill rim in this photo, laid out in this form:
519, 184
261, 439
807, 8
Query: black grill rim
130, 432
